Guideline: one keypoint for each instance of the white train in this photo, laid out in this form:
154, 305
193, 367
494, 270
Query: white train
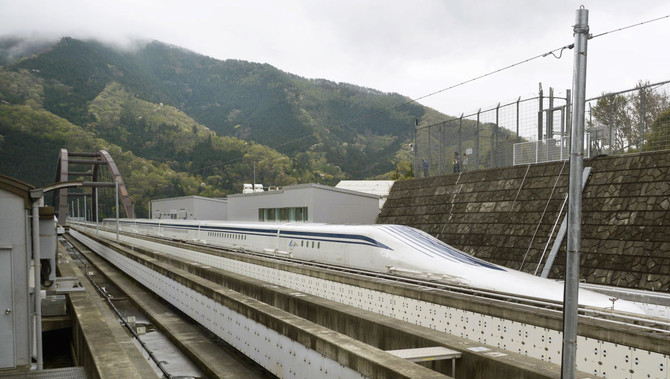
383, 248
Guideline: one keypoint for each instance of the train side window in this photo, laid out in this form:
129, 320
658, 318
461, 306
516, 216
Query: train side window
312, 244
318, 245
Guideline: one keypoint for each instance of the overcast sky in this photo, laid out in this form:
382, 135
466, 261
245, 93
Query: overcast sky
410, 47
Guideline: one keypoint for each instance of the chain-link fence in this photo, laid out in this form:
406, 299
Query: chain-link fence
537, 130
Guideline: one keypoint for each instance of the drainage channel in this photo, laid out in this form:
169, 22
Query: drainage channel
166, 358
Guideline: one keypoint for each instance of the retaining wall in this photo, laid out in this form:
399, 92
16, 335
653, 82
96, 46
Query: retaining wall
507, 215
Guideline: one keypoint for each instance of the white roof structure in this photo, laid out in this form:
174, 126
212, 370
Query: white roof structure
380, 188
375, 187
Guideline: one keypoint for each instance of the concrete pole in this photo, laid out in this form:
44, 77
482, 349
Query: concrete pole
571, 293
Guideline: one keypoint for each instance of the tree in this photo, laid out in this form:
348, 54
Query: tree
610, 119
403, 171
627, 117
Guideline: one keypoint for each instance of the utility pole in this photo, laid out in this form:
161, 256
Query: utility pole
571, 293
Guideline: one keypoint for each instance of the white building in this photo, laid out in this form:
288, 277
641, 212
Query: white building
306, 203
190, 208
380, 188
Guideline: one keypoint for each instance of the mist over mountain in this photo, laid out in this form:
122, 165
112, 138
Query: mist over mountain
213, 121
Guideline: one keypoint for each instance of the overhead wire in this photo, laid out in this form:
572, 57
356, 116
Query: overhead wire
629, 26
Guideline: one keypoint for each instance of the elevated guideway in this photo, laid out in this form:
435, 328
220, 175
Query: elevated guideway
284, 344
492, 332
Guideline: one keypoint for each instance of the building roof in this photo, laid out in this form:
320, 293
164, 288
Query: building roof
303, 186
376, 187
17, 187
191, 197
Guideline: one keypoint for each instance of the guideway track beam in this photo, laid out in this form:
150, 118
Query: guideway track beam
298, 333
208, 356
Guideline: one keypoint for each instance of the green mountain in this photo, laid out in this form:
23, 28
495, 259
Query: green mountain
205, 123
251, 101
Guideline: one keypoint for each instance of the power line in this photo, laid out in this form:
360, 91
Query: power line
630, 26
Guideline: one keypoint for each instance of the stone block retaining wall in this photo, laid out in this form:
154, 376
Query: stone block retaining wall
506, 216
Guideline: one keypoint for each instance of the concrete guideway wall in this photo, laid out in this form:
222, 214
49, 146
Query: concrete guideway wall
513, 337
506, 216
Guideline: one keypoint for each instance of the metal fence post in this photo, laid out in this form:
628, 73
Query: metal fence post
540, 114
610, 120
497, 133
518, 137
550, 114
444, 142
491, 143
460, 136
416, 146
430, 158
477, 141
571, 293
643, 112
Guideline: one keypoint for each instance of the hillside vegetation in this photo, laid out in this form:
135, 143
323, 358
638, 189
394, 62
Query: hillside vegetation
179, 123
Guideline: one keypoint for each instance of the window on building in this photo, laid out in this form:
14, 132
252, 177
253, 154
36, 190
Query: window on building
291, 214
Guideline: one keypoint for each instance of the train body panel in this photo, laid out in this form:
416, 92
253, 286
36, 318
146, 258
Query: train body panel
382, 248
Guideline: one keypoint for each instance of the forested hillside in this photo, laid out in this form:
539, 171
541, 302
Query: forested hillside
191, 123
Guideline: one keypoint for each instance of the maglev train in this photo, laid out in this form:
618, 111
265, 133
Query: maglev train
382, 248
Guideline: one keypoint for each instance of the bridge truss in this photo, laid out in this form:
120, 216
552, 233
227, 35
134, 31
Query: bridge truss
88, 165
